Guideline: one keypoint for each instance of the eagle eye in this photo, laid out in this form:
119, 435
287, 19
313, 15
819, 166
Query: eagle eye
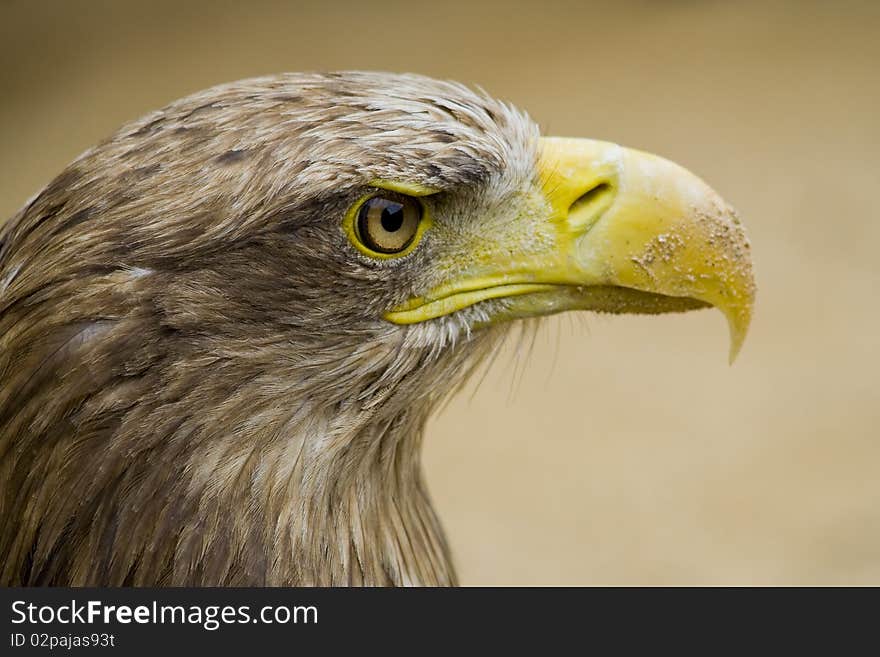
388, 223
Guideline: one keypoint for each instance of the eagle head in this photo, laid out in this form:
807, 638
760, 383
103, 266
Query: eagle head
222, 329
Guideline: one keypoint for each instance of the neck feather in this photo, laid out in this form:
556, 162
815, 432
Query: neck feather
339, 501
231, 470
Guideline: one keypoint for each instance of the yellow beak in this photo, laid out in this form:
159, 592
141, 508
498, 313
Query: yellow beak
624, 232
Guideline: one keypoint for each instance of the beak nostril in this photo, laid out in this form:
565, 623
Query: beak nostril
590, 197
587, 207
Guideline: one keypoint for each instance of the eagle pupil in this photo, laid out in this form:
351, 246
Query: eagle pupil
392, 217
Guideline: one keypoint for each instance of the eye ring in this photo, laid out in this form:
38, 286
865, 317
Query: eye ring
386, 224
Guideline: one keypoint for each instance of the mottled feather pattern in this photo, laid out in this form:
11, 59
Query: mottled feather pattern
198, 387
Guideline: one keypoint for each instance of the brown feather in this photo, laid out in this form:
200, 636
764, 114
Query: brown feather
197, 384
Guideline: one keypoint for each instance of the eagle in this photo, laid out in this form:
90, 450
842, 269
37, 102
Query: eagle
224, 328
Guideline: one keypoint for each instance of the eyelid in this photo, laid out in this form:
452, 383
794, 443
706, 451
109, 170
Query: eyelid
402, 187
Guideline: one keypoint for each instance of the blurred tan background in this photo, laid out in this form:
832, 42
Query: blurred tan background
621, 450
